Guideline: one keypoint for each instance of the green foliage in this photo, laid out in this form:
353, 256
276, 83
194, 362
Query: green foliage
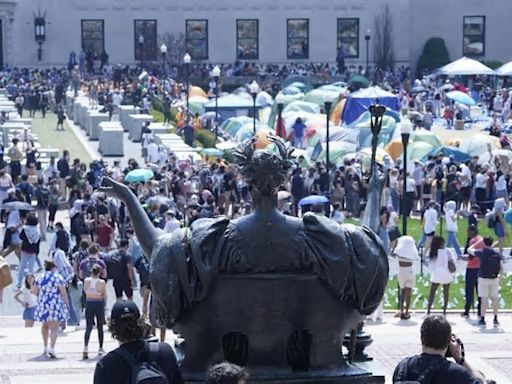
206, 138
158, 117
156, 103
434, 55
228, 156
493, 64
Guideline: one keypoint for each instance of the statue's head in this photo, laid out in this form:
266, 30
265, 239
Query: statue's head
264, 169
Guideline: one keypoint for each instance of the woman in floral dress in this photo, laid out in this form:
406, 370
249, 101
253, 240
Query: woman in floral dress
52, 305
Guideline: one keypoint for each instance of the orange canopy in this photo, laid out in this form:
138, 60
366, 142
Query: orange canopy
338, 111
197, 91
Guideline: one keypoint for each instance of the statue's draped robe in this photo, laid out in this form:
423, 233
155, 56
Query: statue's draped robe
350, 260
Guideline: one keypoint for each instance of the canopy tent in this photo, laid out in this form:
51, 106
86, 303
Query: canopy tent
465, 67
448, 151
358, 102
505, 70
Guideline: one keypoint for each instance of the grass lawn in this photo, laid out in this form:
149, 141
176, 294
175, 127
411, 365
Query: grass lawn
49, 137
422, 289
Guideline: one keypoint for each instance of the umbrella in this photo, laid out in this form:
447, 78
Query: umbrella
446, 87
197, 91
139, 175
17, 205
358, 81
283, 195
461, 97
314, 199
211, 152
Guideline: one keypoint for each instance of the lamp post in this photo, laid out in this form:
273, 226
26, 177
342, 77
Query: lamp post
40, 33
254, 89
141, 48
186, 61
405, 132
327, 107
163, 51
280, 106
216, 75
367, 39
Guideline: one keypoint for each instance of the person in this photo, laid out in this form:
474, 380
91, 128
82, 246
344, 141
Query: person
85, 268
12, 241
15, 155
471, 282
431, 366
171, 223
121, 271
383, 230
451, 227
226, 373
60, 239
166, 110
440, 258
104, 234
298, 129
76, 293
429, 223
143, 266
496, 221
153, 156
30, 240
95, 291
407, 254
28, 301
188, 133
52, 305
42, 196
61, 117
490, 275
127, 326
66, 271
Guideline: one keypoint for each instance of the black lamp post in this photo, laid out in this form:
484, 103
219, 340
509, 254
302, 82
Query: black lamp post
186, 61
40, 33
367, 39
280, 106
327, 107
254, 89
377, 113
405, 131
216, 75
141, 50
163, 51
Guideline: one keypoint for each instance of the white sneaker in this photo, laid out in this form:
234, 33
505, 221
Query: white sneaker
51, 353
45, 351
101, 352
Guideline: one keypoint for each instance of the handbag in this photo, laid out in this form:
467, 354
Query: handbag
5, 273
394, 233
452, 267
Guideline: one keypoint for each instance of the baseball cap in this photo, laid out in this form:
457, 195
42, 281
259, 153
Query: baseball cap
124, 310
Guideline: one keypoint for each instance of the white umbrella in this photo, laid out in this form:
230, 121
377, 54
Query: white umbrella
465, 66
505, 70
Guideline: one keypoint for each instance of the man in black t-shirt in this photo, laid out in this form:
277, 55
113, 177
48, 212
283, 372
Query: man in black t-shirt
432, 366
120, 269
129, 329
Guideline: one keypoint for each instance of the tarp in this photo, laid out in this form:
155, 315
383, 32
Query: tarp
362, 125
358, 102
465, 66
320, 96
454, 152
301, 106
480, 145
505, 70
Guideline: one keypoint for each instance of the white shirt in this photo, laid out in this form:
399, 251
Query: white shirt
28, 297
439, 272
117, 99
465, 180
171, 225
480, 181
430, 220
153, 153
117, 173
410, 185
501, 183
451, 223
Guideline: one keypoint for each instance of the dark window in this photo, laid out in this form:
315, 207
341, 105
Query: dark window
247, 39
93, 36
146, 29
348, 37
297, 42
474, 36
197, 39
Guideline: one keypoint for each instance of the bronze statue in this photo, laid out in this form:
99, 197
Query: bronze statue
274, 292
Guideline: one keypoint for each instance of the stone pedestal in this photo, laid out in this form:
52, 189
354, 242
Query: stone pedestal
124, 112
111, 138
135, 126
84, 110
94, 119
159, 128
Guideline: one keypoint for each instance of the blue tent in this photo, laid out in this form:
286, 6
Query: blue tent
358, 102
448, 151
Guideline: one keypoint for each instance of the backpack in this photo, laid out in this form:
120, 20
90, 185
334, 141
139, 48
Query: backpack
115, 264
91, 262
62, 240
491, 220
145, 372
43, 197
424, 378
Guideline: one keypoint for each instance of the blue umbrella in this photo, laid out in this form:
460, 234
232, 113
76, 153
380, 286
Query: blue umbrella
460, 97
314, 199
212, 152
139, 175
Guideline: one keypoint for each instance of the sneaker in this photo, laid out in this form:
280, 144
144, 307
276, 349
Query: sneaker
464, 315
101, 352
51, 353
496, 323
481, 322
45, 352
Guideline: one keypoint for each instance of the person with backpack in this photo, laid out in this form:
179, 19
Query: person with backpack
136, 360
120, 270
432, 366
85, 269
42, 196
490, 276
60, 239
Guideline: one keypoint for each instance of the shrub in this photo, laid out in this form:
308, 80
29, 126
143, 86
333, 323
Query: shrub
434, 55
493, 64
158, 117
205, 138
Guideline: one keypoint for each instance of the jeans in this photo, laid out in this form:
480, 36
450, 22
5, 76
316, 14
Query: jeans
422, 241
451, 242
27, 260
471, 287
384, 236
395, 200
42, 215
73, 317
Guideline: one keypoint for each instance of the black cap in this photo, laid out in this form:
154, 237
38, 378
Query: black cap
125, 309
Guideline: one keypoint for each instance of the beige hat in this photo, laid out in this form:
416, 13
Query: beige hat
406, 248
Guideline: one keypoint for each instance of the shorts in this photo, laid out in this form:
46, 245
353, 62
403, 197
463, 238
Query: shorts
465, 192
502, 193
406, 277
28, 313
489, 287
121, 287
499, 231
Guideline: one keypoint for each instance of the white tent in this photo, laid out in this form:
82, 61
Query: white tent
505, 70
465, 66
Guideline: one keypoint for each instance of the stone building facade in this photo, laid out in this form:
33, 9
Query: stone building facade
261, 30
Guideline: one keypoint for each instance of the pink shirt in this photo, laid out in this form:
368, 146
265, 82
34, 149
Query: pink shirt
474, 263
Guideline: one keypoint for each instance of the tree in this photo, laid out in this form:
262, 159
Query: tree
175, 47
384, 53
434, 55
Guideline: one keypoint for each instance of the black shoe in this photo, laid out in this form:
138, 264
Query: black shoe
496, 323
482, 322
464, 315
